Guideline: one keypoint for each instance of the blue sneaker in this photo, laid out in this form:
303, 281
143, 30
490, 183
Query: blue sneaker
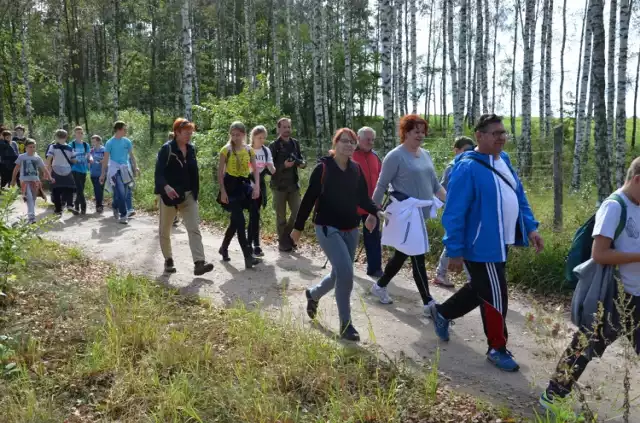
440, 324
503, 360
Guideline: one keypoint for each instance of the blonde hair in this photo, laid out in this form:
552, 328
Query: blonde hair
240, 127
257, 130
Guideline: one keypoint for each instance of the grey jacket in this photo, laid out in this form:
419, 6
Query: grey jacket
596, 284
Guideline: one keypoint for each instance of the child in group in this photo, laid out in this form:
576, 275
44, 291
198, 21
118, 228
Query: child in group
8, 156
60, 158
97, 153
236, 191
20, 138
460, 145
80, 167
264, 164
29, 165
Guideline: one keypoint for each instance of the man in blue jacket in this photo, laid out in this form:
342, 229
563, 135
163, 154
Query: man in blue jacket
487, 211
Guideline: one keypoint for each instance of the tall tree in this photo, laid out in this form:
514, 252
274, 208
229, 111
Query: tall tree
462, 63
564, 43
386, 29
495, 44
543, 83
603, 181
611, 76
512, 92
398, 79
621, 115
414, 59
547, 73
635, 103
25, 74
479, 60
348, 74
275, 52
318, 99
187, 76
250, 40
529, 35
293, 56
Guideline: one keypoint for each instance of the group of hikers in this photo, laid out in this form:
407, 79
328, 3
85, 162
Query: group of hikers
486, 214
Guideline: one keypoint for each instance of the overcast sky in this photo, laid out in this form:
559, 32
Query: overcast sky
575, 10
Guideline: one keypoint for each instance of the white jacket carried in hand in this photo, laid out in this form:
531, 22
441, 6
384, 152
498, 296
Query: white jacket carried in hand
404, 228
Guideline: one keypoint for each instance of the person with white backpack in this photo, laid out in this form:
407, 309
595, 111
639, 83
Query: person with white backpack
610, 228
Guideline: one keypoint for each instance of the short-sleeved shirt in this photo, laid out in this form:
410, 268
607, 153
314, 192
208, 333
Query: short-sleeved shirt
98, 156
607, 220
237, 161
60, 164
30, 167
119, 149
81, 149
263, 158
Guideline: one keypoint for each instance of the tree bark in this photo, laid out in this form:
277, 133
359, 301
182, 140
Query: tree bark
512, 92
187, 72
547, 76
611, 77
564, 43
318, 100
529, 34
346, 36
461, 68
25, 75
495, 45
542, 81
293, 57
635, 104
414, 55
385, 31
443, 91
621, 114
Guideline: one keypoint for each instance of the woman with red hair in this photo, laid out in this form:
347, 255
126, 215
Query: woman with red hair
336, 188
177, 183
409, 170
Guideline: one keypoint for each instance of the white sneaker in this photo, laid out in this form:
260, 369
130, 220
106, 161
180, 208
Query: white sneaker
123, 220
381, 293
427, 309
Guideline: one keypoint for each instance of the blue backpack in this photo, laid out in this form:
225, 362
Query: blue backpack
580, 250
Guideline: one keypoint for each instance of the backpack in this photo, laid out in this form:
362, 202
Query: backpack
580, 250
86, 146
322, 178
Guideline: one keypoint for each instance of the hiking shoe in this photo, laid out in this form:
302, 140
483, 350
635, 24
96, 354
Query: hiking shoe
83, 211
200, 268
349, 333
123, 220
443, 281
503, 360
257, 252
31, 220
381, 293
100, 209
426, 309
224, 253
285, 248
131, 213
312, 305
73, 211
168, 266
250, 261
440, 324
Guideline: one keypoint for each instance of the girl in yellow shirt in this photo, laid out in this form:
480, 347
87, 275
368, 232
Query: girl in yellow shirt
236, 189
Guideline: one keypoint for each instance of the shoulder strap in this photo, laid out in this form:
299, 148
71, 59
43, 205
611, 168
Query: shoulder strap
623, 214
491, 168
86, 147
65, 156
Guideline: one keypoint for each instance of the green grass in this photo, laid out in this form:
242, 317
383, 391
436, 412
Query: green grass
87, 344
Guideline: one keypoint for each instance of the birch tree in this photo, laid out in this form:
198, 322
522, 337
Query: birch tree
603, 180
562, 48
547, 73
194, 67
635, 103
348, 76
512, 92
293, 53
318, 100
25, 74
462, 62
479, 59
414, 62
277, 79
187, 76
62, 119
495, 44
249, 39
611, 76
386, 15
399, 80
484, 80
621, 115
529, 35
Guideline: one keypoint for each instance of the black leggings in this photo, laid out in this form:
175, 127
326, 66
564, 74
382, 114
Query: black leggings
254, 223
62, 197
6, 173
419, 273
237, 224
81, 179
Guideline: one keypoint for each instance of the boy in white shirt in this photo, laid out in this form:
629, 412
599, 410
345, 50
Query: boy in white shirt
625, 255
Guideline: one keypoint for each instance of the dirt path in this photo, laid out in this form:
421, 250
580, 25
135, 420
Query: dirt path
277, 286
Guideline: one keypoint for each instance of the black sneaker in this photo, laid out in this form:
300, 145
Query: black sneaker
200, 268
312, 305
349, 333
83, 212
285, 248
72, 211
250, 261
168, 266
224, 253
257, 251
100, 209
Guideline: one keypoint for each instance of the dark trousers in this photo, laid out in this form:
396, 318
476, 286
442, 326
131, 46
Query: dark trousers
98, 190
61, 197
487, 290
373, 248
253, 231
6, 173
282, 199
81, 179
237, 226
587, 345
419, 273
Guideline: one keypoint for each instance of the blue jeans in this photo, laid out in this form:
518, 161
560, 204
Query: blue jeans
129, 200
120, 193
373, 248
340, 249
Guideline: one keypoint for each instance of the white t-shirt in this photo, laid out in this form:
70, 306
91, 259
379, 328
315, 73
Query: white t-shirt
607, 219
509, 201
60, 164
263, 157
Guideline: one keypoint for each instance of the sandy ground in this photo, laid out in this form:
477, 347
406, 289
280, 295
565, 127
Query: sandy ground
277, 287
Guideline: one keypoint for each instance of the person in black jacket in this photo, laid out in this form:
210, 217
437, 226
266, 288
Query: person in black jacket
336, 188
177, 183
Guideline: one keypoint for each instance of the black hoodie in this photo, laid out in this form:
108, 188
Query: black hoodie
336, 196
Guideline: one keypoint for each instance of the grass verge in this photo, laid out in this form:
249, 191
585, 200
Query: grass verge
81, 343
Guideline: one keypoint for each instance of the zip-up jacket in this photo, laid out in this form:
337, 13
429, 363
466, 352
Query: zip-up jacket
371, 166
472, 216
177, 171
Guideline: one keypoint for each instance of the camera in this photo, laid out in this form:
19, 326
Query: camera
297, 160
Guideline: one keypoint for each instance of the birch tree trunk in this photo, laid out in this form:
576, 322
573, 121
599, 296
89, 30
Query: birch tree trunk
547, 75
603, 181
621, 114
248, 36
398, 79
62, 118
414, 58
580, 108
443, 91
513, 75
114, 82
485, 54
635, 104
564, 43
386, 16
462, 62
25, 75
542, 82
96, 80
325, 69
13, 101
348, 76
277, 78
187, 73
611, 77
318, 101
529, 35
194, 67
495, 45
294, 75
479, 60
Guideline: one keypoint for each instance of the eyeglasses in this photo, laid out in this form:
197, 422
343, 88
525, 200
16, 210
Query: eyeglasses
497, 134
348, 141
